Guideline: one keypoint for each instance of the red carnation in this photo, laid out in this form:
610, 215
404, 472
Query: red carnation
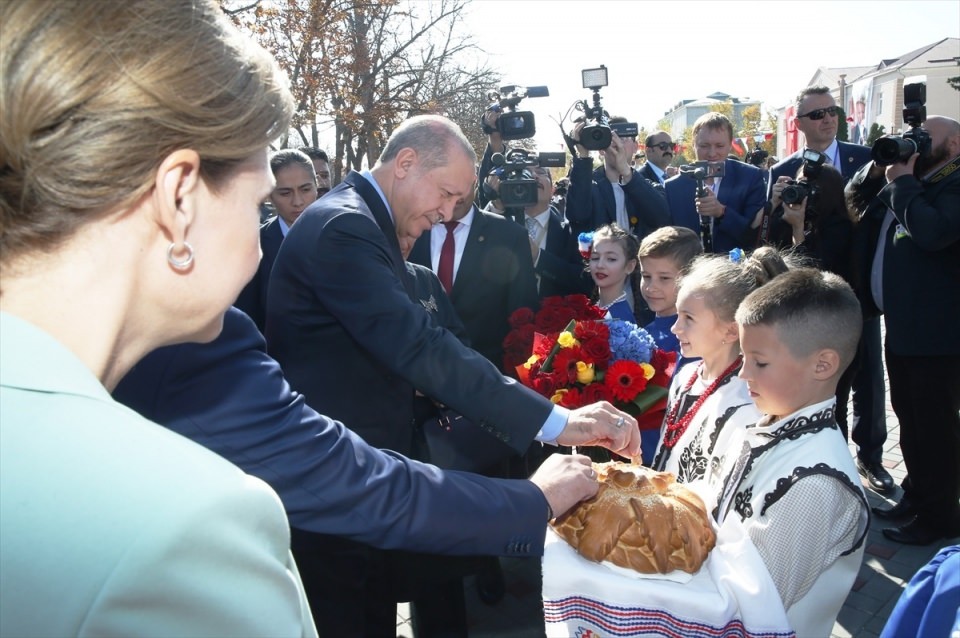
663, 363
625, 380
591, 329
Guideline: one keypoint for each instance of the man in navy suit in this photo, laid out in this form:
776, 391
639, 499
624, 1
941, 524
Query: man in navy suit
613, 193
343, 322
731, 203
817, 119
658, 149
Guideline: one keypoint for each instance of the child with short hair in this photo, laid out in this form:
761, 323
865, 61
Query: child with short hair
706, 396
794, 485
663, 255
613, 258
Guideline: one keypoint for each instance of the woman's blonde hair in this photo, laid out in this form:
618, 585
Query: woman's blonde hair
96, 94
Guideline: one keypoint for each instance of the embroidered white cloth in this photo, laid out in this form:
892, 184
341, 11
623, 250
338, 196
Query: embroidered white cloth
731, 595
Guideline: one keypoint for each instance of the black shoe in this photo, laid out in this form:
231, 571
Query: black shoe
877, 475
903, 509
914, 533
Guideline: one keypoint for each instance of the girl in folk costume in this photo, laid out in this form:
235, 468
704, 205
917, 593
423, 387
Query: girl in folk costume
613, 259
706, 397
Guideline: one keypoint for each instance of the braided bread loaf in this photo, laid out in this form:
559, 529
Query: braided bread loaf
640, 519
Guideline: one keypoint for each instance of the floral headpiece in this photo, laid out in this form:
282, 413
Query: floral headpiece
585, 244
736, 255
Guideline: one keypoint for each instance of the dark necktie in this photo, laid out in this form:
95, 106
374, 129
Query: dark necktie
447, 252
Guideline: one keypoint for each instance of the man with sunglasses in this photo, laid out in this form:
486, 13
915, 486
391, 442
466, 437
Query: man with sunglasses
817, 118
613, 193
659, 149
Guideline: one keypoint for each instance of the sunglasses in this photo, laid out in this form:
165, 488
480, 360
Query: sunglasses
819, 114
663, 146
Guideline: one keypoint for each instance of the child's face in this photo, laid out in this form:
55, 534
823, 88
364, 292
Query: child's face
609, 266
779, 382
700, 332
659, 284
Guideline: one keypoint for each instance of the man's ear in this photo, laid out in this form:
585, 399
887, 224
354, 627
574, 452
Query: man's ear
826, 364
405, 162
176, 195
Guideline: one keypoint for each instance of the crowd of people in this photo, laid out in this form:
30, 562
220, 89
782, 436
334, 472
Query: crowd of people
180, 409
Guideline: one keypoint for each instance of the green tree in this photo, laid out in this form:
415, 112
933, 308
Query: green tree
843, 131
876, 132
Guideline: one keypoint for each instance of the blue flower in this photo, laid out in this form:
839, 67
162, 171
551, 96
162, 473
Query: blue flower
629, 341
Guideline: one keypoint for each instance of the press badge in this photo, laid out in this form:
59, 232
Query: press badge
899, 233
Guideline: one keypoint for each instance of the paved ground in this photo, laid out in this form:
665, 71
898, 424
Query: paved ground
887, 567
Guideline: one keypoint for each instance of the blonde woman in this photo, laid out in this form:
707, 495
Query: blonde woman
133, 157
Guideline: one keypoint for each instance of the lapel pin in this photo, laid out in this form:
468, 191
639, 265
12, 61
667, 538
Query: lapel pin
480, 238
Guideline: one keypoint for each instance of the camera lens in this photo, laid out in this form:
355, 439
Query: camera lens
893, 149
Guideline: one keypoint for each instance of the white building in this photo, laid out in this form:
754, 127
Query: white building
686, 112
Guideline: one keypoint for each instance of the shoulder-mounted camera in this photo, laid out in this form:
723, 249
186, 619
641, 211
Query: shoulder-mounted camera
518, 185
513, 124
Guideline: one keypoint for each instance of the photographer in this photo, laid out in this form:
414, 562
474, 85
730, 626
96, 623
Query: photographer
613, 193
816, 226
910, 267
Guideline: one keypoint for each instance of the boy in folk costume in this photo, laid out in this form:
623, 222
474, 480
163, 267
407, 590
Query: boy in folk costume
793, 484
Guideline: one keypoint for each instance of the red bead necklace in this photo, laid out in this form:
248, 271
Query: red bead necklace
675, 429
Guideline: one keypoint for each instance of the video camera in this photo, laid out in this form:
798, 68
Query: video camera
513, 124
518, 186
893, 149
597, 135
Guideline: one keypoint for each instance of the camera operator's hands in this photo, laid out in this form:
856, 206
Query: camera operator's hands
575, 136
796, 215
710, 206
565, 480
617, 159
670, 171
776, 198
490, 118
899, 170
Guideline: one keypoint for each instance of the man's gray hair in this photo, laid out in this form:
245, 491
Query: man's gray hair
432, 137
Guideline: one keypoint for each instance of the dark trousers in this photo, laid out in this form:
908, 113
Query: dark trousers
865, 378
925, 393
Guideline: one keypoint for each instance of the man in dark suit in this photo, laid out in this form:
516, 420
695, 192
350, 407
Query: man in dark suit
731, 203
295, 189
911, 264
491, 272
658, 150
343, 322
818, 119
611, 194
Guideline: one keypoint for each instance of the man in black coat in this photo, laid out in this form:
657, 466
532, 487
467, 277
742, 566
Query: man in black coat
911, 270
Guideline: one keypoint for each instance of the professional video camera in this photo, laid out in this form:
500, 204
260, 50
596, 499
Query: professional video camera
757, 157
513, 124
891, 149
518, 186
597, 135
796, 191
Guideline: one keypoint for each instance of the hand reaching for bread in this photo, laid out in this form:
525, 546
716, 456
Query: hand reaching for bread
565, 480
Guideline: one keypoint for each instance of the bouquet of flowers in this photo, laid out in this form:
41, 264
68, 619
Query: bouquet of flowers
574, 357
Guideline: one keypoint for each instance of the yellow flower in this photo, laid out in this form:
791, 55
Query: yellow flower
648, 371
566, 340
584, 372
558, 395
529, 362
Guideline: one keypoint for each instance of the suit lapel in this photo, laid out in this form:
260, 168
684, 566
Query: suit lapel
469, 261
382, 217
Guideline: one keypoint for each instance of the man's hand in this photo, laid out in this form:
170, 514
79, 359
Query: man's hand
575, 136
709, 205
776, 198
616, 158
565, 480
898, 170
490, 118
604, 425
670, 171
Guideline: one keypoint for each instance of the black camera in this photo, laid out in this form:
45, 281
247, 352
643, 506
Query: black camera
757, 157
518, 186
597, 135
796, 191
513, 124
893, 149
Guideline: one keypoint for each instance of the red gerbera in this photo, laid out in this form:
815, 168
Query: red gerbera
565, 362
572, 399
625, 379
